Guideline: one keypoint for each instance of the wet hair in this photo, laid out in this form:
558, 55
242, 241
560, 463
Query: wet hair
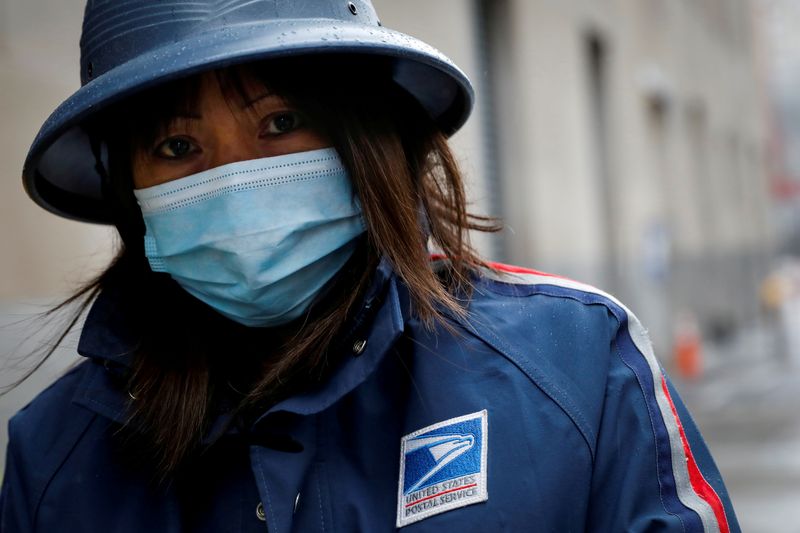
191, 363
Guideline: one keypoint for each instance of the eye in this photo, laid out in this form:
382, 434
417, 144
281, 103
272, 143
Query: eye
175, 148
282, 123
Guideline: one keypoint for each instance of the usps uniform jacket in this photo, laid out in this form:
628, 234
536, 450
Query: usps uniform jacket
544, 410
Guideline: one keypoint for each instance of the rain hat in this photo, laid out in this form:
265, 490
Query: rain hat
131, 45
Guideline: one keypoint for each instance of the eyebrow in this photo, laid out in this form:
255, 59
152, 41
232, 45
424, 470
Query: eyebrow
186, 114
250, 102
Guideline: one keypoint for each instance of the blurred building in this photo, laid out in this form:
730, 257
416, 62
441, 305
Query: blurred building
780, 20
622, 141
43, 256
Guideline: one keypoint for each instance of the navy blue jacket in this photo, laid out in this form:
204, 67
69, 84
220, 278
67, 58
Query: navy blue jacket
545, 410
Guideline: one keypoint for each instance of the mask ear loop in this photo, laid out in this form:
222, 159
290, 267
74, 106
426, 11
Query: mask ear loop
424, 221
425, 227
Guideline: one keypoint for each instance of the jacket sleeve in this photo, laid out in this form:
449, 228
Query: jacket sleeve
15, 515
652, 470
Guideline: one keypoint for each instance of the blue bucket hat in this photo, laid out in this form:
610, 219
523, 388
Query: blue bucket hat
131, 45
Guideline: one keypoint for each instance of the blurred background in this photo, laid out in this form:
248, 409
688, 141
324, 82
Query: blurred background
650, 147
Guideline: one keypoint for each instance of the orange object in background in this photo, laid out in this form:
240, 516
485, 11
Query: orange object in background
688, 348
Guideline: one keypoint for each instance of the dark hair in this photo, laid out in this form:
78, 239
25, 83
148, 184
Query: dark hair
411, 191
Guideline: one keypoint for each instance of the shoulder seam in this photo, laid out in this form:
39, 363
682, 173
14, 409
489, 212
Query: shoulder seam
548, 387
55, 382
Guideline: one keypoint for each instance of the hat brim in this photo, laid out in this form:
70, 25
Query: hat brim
59, 172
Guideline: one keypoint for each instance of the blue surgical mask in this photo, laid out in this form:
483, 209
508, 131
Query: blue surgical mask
256, 240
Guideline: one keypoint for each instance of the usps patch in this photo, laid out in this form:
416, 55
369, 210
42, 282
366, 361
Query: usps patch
442, 467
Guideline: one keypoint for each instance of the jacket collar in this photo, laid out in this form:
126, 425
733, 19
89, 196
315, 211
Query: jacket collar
108, 341
107, 336
370, 339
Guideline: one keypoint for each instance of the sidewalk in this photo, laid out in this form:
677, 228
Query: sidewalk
746, 406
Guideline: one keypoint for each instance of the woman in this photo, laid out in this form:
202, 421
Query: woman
275, 347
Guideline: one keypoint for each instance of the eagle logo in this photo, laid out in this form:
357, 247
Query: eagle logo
438, 451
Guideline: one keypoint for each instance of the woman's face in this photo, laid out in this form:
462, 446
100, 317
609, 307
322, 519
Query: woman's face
223, 129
